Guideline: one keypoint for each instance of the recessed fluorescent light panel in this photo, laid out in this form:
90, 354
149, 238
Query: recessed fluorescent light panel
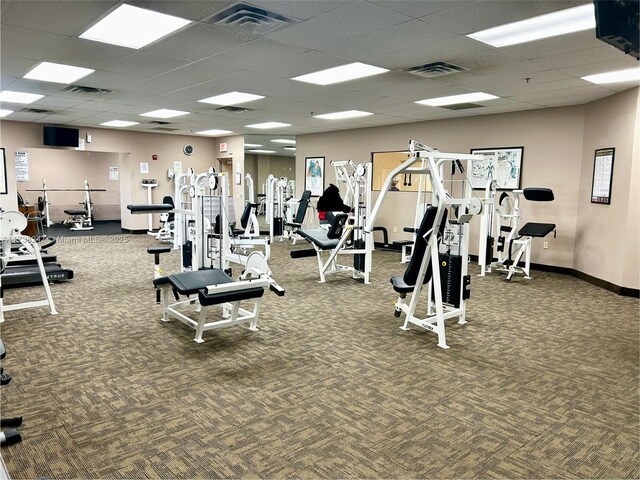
455, 99
289, 148
344, 73
628, 75
252, 145
262, 151
266, 125
119, 123
214, 132
343, 115
562, 22
19, 97
58, 73
164, 113
284, 141
4, 113
133, 27
231, 98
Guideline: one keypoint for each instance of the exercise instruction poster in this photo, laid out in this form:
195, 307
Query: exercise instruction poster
602, 176
22, 166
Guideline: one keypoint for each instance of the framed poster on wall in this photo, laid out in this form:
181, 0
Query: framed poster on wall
502, 164
602, 176
314, 175
3, 175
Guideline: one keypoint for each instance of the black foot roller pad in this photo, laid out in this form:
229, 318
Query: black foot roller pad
308, 252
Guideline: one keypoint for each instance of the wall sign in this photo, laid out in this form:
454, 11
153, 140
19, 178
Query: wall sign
22, 166
502, 164
3, 174
602, 176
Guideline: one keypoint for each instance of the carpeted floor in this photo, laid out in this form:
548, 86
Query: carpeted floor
542, 382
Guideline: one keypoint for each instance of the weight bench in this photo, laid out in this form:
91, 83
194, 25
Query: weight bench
210, 287
80, 219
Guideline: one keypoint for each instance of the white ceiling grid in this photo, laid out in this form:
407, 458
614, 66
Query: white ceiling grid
202, 60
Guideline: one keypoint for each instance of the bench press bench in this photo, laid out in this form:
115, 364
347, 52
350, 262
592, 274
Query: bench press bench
210, 287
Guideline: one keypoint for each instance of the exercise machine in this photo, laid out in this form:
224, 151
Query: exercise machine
500, 221
10, 435
296, 213
276, 189
214, 287
81, 219
440, 256
346, 233
11, 224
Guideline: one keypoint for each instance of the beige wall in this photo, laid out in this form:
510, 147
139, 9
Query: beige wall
552, 140
133, 148
62, 168
606, 236
558, 153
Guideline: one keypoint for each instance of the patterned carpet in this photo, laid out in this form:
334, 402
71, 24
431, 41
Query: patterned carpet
542, 382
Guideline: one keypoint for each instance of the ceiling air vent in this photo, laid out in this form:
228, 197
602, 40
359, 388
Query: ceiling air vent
86, 90
158, 122
250, 19
232, 109
166, 129
462, 106
37, 110
435, 69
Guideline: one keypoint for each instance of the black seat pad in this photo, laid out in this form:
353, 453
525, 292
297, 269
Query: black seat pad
533, 229
76, 212
318, 236
158, 249
217, 298
156, 207
399, 284
188, 283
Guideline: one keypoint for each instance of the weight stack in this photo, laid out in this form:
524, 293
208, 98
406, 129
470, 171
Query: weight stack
451, 278
278, 226
358, 260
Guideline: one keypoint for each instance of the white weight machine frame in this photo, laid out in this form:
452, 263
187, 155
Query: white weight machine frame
437, 312
11, 224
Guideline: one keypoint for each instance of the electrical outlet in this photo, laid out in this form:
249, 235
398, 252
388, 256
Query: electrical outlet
545, 245
395, 229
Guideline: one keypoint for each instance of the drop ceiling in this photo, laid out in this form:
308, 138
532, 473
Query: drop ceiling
206, 59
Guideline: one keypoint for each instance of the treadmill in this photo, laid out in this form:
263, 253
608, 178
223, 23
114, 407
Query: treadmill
24, 273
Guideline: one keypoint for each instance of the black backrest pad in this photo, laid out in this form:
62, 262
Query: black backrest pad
420, 247
337, 224
302, 210
538, 194
246, 214
306, 195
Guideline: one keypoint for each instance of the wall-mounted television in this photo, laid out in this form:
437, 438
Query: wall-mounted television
61, 136
617, 24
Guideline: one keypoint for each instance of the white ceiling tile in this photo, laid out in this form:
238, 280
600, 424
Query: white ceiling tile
622, 62
56, 16
95, 105
438, 51
181, 78
191, 10
257, 52
299, 64
35, 86
486, 13
557, 45
5, 81
16, 66
355, 19
146, 64
28, 43
420, 8
132, 99
199, 41
60, 102
108, 80
594, 90
414, 33
88, 54
597, 54
570, 100
522, 89
301, 9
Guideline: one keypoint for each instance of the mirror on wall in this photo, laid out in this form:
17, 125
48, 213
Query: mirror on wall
269, 154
